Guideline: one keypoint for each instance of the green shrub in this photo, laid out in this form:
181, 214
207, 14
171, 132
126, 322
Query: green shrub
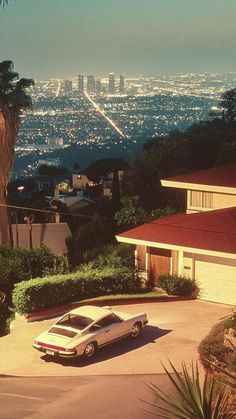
41, 293
18, 264
177, 285
230, 320
11, 272
113, 255
4, 313
212, 346
98, 232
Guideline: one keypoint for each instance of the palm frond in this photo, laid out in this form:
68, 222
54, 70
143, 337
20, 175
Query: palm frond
3, 3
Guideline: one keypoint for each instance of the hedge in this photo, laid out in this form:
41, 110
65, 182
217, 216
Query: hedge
41, 293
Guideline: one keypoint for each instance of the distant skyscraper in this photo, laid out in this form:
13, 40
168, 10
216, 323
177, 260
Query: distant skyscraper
68, 87
81, 85
91, 84
111, 83
98, 86
122, 84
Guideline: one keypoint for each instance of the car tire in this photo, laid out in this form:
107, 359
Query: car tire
136, 329
90, 349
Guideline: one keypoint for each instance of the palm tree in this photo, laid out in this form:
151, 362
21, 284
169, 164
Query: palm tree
13, 100
3, 2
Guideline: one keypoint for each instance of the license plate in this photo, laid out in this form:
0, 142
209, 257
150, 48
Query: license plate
48, 352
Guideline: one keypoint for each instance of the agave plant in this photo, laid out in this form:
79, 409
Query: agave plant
194, 401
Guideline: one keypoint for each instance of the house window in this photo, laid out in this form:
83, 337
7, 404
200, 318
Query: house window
200, 199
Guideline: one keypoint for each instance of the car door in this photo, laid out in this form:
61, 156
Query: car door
108, 329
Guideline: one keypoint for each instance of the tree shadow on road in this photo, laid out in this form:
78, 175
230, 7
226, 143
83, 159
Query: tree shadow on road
149, 335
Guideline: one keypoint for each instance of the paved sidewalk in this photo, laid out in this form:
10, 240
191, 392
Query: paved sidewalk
174, 331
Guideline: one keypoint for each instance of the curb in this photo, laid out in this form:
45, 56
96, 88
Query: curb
59, 311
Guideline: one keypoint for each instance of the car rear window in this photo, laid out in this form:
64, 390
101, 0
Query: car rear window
75, 321
62, 332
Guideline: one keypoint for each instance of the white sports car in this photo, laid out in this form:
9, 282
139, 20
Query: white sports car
83, 330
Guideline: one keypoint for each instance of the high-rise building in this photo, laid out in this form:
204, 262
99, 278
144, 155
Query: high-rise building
111, 83
122, 84
98, 86
91, 85
68, 87
81, 85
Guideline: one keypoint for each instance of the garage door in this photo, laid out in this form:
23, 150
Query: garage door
216, 281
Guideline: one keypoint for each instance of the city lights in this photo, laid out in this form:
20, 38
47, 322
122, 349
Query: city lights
116, 117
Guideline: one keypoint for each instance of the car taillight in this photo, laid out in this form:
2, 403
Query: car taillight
49, 346
70, 350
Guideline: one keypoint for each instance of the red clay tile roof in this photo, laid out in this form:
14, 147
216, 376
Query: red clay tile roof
218, 176
210, 230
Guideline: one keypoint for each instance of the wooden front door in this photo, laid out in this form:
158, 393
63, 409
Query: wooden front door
159, 263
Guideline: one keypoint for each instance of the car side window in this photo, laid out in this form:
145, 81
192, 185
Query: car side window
106, 321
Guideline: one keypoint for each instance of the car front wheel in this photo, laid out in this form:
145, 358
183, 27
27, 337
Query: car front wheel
90, 350
136, 329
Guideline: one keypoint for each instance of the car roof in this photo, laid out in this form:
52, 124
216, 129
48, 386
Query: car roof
92, 312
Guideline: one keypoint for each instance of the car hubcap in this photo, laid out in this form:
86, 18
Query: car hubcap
89, 350
135, 330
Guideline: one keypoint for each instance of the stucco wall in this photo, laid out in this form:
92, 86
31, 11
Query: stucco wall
223, 201
219, 201
52, 234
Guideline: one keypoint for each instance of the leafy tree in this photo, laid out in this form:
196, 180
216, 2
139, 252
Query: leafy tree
13, 100
76, 166
116, 191
102, 167
49, 170
95, 233
115, 255
132, 213
201, 146
228, 103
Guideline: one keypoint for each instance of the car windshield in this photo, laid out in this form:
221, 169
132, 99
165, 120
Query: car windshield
75, 321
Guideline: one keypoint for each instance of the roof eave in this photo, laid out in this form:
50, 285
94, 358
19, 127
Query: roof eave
198, 186
176, 247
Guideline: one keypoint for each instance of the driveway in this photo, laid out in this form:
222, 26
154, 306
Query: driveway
174, 331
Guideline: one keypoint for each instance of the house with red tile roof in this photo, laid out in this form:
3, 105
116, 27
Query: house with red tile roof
200, 243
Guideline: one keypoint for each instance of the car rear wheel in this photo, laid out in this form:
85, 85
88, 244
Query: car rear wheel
90, 350
136, 329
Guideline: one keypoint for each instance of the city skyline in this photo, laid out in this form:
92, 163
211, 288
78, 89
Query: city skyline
64, 39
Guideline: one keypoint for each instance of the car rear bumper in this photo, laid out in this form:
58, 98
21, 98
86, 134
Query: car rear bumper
56, 353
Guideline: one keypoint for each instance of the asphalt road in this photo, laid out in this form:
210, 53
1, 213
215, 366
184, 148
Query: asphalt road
106, 397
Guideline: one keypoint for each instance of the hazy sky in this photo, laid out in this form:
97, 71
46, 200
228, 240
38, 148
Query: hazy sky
50, 38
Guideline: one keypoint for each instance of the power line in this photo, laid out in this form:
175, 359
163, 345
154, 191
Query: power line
49, 211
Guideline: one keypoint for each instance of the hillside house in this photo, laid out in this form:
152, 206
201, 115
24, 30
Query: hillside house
200, 243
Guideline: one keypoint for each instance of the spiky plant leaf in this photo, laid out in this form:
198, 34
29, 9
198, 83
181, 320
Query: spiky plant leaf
193, 401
